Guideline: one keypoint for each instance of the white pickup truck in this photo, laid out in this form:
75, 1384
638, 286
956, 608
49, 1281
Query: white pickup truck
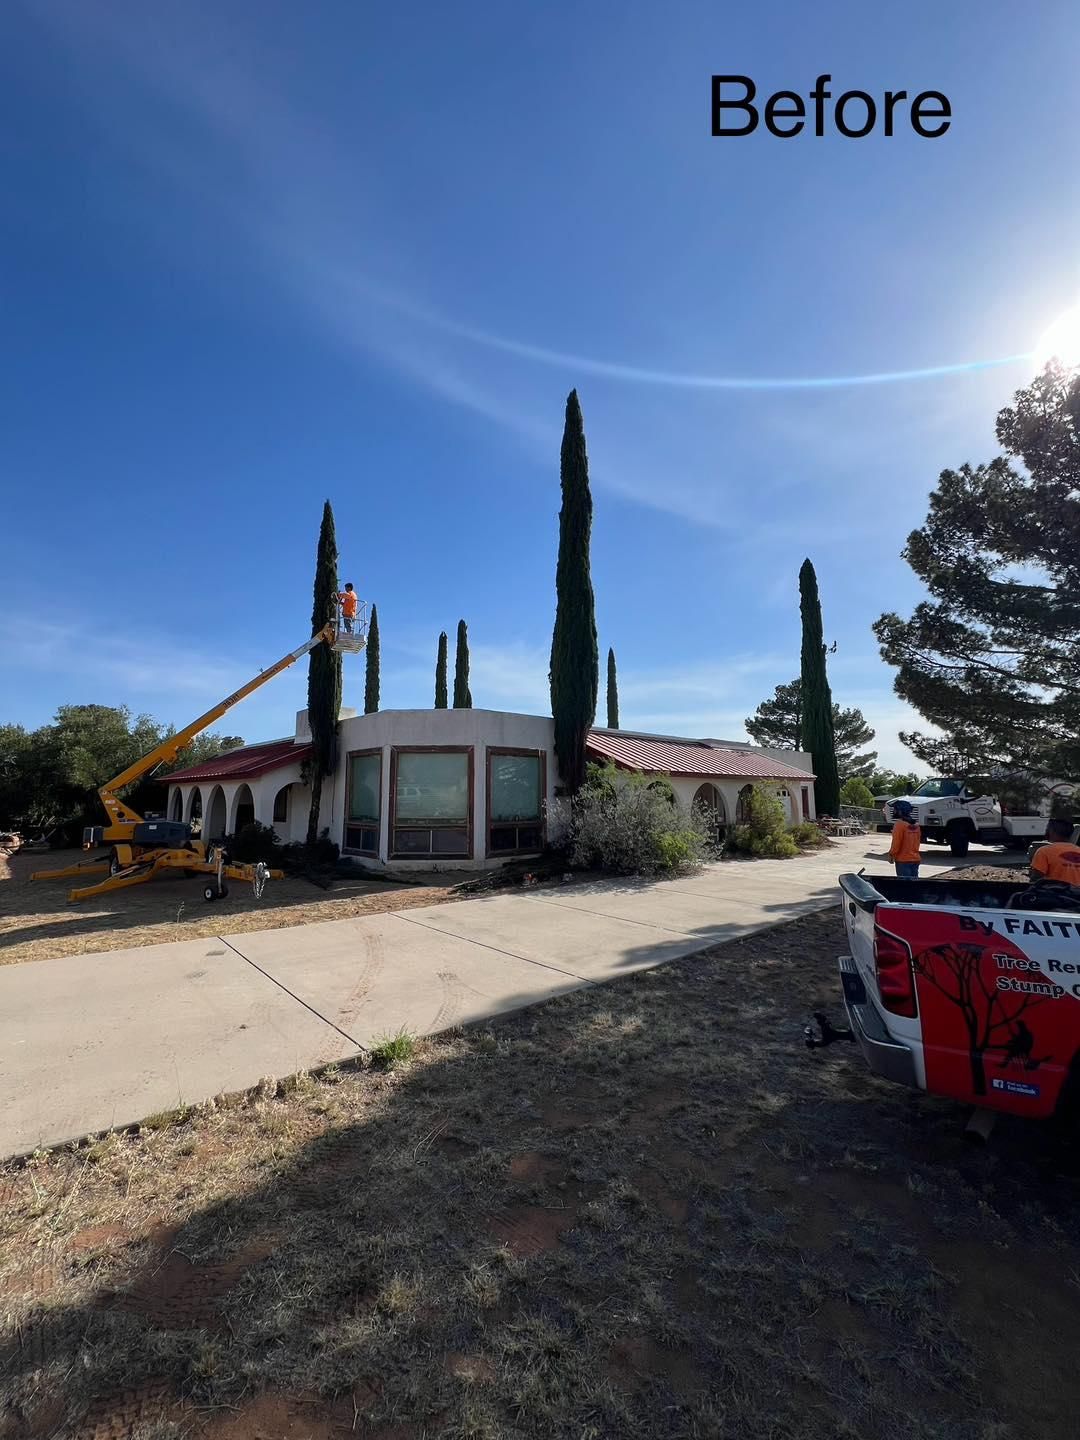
967, 988
949, 811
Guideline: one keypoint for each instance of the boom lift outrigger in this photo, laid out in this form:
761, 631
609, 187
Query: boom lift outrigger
142, 848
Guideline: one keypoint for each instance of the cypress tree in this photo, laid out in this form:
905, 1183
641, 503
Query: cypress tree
462, 693
324, 672
612, 692
575, 661
440, 674
371, 681
817, 707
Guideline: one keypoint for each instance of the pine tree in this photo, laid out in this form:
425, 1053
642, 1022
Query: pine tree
324, 672
371, 679
440, 674
462, 693
612, 692
777, 723
817, 721
990, 658
575, 661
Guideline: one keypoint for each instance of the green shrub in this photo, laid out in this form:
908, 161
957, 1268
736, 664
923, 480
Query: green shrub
765, 832
807, 835
391, 1050
300, 858
856, 792
630, 824
676, 850
255, 842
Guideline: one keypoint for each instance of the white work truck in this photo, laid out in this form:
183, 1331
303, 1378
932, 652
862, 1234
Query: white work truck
950, 812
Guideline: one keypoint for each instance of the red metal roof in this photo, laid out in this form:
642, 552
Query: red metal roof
243, 763
669, 757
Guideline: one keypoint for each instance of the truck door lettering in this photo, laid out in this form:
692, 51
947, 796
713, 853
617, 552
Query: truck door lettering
968, 922
1030, 987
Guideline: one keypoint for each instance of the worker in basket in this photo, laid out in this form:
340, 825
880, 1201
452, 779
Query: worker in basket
1059, 858
348, 600
904, 851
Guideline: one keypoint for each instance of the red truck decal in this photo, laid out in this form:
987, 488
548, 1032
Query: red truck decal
999, 1005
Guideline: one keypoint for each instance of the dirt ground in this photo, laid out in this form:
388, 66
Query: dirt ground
642, 1211
37, 923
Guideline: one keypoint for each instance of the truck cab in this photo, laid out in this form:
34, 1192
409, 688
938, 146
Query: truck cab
950, 812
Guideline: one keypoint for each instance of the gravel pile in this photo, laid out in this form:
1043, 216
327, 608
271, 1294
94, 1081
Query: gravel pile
1017, 875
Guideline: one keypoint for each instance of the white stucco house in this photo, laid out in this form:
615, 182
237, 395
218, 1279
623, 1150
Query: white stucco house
457, 789
413, 789
719, 774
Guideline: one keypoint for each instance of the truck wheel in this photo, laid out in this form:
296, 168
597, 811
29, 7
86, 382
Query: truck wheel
959, 838
114, 863
209, 892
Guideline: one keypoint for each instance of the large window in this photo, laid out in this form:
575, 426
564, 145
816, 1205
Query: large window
363, 802
432, 797
515, 802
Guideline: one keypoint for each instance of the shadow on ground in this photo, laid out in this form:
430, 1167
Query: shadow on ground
639, 1210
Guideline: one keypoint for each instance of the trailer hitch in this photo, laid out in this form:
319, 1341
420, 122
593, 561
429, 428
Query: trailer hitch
826, 1033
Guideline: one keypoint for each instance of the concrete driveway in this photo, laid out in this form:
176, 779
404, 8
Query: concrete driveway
93, 1041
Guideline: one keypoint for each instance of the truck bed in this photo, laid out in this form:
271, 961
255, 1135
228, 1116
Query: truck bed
870, 890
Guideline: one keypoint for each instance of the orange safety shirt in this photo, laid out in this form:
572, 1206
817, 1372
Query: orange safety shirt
905, 843
1058, 862
348, 602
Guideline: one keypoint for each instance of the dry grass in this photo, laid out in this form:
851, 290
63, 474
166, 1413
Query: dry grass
641, 1211
37, 923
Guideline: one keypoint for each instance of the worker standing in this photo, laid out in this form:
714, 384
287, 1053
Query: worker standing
348, 599
904, 850
1059, 858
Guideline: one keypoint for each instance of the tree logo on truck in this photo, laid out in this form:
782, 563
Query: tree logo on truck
991, 1005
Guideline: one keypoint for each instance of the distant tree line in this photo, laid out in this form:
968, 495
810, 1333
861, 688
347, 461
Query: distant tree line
49, 777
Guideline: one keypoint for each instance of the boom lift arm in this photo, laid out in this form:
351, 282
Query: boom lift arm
121, 814
141, 848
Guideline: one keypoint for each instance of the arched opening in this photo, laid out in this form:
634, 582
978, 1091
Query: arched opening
281, 805
176, 807
243, 810
708, 800
742, 805
194, 811
215, 819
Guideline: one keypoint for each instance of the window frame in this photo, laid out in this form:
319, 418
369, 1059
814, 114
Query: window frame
429, 855
535, 753
286, 790
346, 822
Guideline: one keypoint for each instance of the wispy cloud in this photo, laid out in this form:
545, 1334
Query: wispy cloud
136, 664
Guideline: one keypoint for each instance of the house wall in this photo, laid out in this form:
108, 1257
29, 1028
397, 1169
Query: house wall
686, 787
479, 729
264, 789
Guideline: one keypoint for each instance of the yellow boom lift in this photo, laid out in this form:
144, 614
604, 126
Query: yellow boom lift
142, 848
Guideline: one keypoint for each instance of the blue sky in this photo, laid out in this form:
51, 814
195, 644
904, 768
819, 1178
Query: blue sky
254, 255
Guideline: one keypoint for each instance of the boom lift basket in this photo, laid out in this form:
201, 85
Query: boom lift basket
351, 642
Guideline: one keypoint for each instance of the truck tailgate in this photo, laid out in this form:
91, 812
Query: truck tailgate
998, 997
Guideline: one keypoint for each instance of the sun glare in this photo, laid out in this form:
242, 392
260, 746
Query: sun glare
1061, 342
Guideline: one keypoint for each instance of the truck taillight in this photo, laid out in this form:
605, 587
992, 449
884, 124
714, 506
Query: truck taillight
895, 977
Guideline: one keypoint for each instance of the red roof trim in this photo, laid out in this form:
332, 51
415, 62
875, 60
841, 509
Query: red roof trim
669, 757
244, 763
